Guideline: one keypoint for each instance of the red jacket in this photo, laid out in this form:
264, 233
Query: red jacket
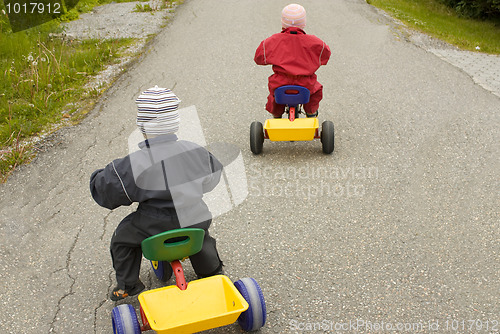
293, 52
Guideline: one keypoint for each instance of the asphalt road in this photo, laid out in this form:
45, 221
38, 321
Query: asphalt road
399, 227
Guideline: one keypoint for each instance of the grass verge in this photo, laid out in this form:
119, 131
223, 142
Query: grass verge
42, 82
43, 79
440, 21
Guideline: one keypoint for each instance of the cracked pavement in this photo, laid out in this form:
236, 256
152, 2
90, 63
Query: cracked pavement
416, 137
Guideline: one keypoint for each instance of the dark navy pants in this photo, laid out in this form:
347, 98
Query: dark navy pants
126, 250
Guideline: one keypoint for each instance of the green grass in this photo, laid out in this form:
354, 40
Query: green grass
16, 155
40, 77
41, 82
143, 8
438, 20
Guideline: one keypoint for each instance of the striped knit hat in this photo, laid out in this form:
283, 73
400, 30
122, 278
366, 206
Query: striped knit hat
293, 16
157, 111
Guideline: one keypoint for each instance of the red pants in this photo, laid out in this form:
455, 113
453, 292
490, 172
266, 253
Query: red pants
315, 88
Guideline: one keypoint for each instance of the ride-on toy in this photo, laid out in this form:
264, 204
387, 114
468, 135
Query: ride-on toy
189, 307
293, 128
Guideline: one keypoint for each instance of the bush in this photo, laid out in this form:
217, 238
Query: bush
483, 9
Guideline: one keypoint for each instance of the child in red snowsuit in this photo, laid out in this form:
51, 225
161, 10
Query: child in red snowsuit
295, 57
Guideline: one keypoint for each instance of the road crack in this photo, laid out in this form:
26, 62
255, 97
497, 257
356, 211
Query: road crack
103, 302
105, 225
72, 279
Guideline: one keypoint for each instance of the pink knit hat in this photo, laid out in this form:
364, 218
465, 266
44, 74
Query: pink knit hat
293, 16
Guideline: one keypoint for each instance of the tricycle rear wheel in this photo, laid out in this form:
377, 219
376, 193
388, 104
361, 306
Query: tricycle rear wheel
327, 137
256, 137
255, 316
124, 320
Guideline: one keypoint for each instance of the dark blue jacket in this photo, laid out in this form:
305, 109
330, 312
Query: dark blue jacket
165, 175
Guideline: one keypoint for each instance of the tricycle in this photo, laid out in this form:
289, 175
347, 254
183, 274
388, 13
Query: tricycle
189, 307
292, 128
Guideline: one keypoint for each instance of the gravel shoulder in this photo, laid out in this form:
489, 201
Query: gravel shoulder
484, 69
120, 20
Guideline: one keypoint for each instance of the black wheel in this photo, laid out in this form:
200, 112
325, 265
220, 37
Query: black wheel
162, 269
255, 316
327, 137
256, 137
124, 320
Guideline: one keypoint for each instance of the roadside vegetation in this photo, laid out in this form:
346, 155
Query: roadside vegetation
43, 78
42, 82
471, 25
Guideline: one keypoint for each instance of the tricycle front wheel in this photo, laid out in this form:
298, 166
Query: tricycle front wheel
162, 269
255, 316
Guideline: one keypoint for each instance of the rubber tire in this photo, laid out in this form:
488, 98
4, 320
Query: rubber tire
125, 320
255, 316
164, 271
327, 137
256, 137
